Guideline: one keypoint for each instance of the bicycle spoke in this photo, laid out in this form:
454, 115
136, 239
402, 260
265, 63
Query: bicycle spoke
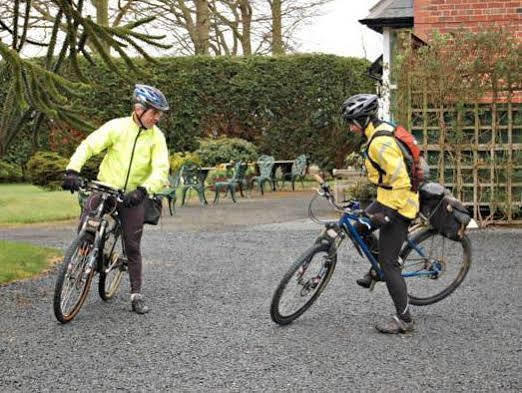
305, 283
74, 280
439, 272
114, 268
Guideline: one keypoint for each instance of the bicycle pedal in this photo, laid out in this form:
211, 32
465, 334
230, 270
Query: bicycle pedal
372, 285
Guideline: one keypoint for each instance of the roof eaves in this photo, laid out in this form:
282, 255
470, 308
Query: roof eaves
378, 24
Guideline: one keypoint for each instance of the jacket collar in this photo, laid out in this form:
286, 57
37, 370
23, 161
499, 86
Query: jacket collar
134, 121
369, 131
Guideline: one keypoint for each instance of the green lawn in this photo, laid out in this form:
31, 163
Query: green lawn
22, 260
25, 203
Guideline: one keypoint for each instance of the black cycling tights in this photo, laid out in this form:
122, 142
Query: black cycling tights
391, 237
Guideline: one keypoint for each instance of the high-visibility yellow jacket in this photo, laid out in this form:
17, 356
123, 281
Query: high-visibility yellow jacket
384, 151
150, 164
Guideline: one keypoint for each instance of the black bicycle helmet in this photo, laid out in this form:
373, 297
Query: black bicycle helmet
360, 107
150, 97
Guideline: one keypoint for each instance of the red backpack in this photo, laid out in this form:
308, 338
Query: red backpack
413, 155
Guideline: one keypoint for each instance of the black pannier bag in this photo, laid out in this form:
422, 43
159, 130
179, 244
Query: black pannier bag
444, 212
153, 207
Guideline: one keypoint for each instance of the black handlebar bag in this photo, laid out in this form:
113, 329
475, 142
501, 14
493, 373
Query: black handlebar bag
153, 208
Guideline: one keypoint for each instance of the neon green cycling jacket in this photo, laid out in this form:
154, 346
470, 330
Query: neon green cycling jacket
150, 164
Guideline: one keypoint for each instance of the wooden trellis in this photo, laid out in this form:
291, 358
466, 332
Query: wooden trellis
461, 96
478, 155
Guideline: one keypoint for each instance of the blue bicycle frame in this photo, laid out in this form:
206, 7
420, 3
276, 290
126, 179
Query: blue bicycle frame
345, 222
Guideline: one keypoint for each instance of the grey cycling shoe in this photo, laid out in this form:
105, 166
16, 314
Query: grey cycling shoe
138, 304
395, 326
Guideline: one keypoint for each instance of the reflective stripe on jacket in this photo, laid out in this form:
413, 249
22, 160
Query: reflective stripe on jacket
150, 164
385, 152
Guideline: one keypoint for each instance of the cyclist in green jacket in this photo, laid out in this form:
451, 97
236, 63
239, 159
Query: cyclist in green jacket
137, 161
392, 212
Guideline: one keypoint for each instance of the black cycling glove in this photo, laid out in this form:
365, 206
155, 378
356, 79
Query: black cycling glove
134, 198
379, 219
71, 181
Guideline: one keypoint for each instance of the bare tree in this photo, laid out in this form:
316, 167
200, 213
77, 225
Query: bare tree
286, 16
234, 16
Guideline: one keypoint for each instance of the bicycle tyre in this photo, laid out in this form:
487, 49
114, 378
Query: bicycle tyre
107, 288
65, 278
461, 267
275, 308
108, 284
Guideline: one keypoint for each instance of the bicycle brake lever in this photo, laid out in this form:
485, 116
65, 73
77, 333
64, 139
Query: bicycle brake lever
365, 219
364, 222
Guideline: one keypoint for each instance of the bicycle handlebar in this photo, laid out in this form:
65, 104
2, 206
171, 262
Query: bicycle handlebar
91, 185
351, 207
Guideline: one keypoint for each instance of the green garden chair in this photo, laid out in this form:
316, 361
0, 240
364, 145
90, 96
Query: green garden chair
170, 192
298, 172
266, 166
192, 180
236, 181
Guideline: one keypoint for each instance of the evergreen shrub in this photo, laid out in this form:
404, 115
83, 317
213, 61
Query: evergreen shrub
223, 150
10, 173
46, 169
177, 160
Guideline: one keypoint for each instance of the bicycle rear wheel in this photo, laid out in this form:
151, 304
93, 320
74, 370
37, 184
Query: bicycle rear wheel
440, 272
73, 282
302, 284
110, 279
114, 266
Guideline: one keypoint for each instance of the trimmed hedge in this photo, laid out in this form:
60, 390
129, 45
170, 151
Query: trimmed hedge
286, 106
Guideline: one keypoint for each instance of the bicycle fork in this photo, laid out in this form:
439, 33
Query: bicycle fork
95, 254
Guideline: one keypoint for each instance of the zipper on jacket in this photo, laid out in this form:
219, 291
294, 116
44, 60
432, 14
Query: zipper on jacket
132, 157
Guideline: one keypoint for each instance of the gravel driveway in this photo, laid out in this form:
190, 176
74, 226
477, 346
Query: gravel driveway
209, 276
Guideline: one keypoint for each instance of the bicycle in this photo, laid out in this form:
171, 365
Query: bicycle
98, 248
432, 273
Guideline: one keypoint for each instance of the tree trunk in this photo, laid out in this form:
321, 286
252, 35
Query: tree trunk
202, 27
102, 17
246, 19
277, 30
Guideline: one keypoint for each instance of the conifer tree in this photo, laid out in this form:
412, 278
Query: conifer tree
38, 89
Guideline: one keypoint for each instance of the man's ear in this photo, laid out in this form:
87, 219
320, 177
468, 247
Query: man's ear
138, 109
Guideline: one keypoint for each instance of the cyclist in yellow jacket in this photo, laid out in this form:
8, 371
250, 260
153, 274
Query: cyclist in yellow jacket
136, 161
392, 212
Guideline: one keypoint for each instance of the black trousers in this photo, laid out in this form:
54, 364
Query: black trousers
132, 229
391, 237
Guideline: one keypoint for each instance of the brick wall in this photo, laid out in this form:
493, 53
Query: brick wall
475, 15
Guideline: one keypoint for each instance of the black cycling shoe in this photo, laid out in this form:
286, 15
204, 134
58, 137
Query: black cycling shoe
365, 281
138, 304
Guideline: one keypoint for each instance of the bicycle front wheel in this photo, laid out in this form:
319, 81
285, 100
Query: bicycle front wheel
440, 271
302, 284
74, 279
